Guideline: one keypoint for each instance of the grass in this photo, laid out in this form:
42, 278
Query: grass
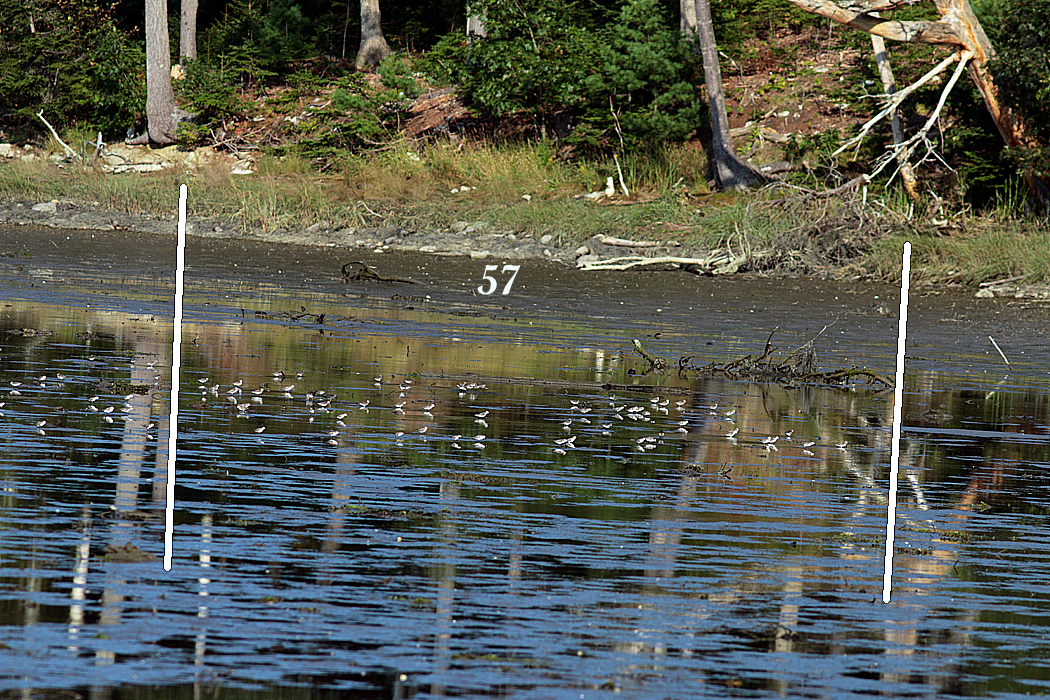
526, 188
991, 250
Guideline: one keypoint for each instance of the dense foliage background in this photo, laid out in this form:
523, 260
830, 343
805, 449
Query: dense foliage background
603, 76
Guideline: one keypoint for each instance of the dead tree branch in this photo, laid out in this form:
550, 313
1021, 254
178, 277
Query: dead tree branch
894, 102
54, 133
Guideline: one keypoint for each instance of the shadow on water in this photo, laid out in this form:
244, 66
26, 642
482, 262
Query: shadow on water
429, 493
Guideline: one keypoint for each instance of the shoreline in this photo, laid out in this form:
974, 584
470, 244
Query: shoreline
470, 239
476, 240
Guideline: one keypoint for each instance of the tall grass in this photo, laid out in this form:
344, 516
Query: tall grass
991, 250
528, 189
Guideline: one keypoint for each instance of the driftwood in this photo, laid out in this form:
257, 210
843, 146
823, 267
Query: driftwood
797, 367
365, 273
655, 363
290, 316
40, 115
718, 262
612, 240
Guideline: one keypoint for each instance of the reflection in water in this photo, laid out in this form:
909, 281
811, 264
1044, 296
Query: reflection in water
384, 506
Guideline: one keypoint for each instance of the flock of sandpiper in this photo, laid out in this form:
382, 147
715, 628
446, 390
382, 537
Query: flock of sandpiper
581, 416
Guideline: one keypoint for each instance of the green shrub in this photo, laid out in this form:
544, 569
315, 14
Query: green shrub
531, 61
208, 91
357, 117
1020, 32
69, 61
397, 77
643, 86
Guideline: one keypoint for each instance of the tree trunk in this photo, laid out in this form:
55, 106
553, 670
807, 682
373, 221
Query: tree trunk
687, 17
475, 27
728, 170
373, 47
188, 30
889, 86
958, 28
160, 98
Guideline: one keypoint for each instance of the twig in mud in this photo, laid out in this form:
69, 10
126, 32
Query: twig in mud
799, 366
996, 346
769, 344
655, 362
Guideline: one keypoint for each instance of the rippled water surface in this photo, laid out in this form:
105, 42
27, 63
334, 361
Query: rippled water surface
431, 492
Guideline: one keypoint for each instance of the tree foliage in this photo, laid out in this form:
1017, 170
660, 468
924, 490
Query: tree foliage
256, 40
609, 69
643, 86
1021, 36
628, 78
67, 59
531, 60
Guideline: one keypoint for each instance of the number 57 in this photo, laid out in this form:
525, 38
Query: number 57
492, 283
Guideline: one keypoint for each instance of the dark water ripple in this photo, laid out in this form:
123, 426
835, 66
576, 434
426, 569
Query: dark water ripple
573, 551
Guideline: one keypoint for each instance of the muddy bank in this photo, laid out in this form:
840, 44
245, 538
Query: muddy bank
472, 239
675, 314
477, 240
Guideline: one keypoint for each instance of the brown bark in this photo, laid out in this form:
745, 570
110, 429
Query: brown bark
160, 97
188, 30
373, 47
729, 171
958, 28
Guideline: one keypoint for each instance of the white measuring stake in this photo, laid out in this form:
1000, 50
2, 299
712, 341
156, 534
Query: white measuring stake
895, 444
176, 365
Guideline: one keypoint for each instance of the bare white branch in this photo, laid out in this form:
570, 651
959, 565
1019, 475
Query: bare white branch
895, 102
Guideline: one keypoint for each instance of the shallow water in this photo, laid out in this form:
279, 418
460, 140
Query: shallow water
594, 534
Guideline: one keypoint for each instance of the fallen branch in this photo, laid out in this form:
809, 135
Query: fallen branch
904, 150
627, 262
805, 193
655, 363
923, 31
853, 184
54, 133
611, 240
798, 366
365, 273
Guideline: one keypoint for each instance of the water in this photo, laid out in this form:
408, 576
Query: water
594, 534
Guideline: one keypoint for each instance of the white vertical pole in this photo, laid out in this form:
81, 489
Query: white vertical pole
176, 365
895, 446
